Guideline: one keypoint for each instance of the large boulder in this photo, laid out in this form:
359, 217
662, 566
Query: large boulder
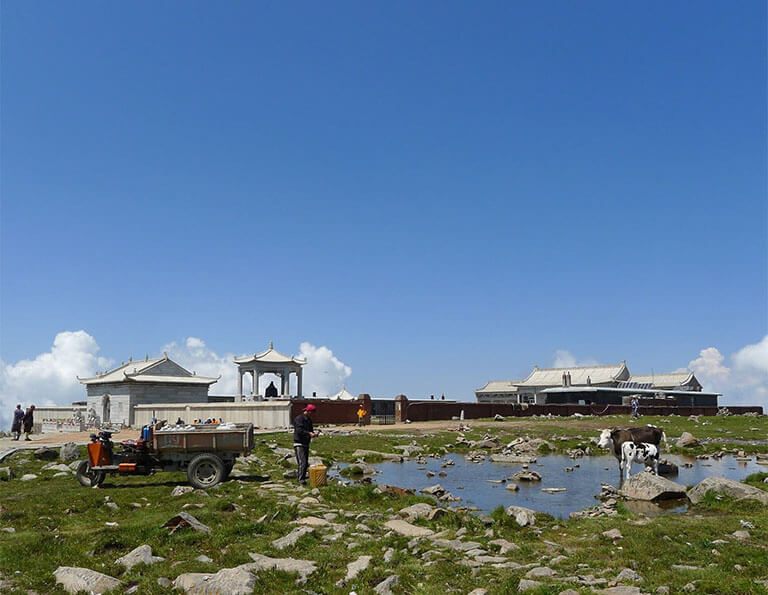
522, 516
74, 580
729, 487
647, 486
69, 452
233, 581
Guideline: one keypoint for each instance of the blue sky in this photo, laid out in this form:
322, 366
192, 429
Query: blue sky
441, 193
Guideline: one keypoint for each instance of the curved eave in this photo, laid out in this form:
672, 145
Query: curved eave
161, 379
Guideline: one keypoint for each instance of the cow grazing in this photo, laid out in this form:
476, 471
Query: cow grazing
643, 434
639, 452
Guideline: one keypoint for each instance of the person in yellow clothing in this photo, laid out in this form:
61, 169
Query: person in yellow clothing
361, 413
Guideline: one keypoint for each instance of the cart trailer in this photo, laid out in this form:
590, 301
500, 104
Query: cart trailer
206, 452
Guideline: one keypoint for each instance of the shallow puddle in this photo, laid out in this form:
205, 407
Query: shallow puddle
474, 482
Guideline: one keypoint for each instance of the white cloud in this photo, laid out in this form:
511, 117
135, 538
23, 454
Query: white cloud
565, 359
50, 378
196, 357
744, 382
324, 373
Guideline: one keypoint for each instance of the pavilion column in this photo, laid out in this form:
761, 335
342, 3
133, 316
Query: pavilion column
257, 381
253, 385
283, 379
239, 385
298, 384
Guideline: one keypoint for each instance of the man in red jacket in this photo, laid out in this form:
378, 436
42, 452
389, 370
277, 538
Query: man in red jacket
303, 432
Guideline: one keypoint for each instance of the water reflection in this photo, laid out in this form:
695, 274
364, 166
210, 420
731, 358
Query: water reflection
476, 483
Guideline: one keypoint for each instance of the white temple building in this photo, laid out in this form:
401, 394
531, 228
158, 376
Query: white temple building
112, 395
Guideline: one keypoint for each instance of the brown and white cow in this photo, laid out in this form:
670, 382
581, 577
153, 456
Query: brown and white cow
614, 439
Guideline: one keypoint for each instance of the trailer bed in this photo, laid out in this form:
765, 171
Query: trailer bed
204, 438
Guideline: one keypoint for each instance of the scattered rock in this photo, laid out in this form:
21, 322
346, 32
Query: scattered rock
140, 555
292, 537
526, 585
355, 568
204, 559
510, 458
540, 572
416, 511
312, 521
436, 490
627, 574
404, 528
613, 534
46, 454
183, 520
6, 474
181, 490
303, 567
73, 580
740, 535
526, 476
523, 516
28, 477
687, 440
69, 452
385, 586
233, 581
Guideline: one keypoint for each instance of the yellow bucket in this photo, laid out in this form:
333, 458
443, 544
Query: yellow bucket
318, 476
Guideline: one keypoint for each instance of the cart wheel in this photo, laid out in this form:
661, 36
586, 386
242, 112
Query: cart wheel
87, 477
205, 471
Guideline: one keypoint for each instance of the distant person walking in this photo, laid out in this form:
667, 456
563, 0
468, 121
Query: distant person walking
303, 432
18, 417
361, 413
635, 402
29, 421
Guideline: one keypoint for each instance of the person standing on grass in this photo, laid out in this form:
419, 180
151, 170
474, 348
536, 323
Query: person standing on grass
28, 421
303, 432
635, 402
18, 417
361, 416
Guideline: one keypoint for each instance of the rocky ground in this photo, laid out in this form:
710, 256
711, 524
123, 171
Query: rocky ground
261, 532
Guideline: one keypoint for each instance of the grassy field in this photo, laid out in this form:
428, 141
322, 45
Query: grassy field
59, 523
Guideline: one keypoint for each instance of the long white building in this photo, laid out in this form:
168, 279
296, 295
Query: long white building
544, 381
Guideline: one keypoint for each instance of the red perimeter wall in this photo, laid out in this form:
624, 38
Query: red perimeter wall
434, 410
333, 412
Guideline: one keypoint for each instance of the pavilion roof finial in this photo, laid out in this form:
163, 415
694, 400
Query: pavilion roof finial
271, 346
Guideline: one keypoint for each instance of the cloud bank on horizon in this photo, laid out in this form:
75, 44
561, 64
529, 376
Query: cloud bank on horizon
51, 378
